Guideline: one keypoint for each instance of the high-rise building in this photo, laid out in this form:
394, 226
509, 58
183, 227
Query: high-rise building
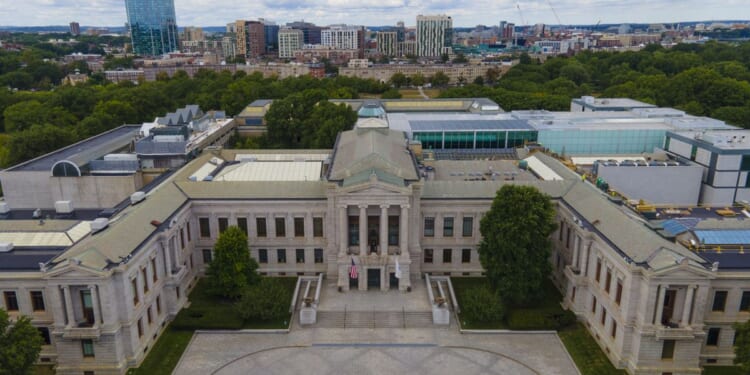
290, 40
251, 38
310, 32
191, 33
75, 28
434, 35
271, 30
153, 26
387, 43
344, 37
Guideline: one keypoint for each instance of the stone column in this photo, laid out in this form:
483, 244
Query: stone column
68, 306
362, 229
576, 254
585, 260
660, 304
688, 306
404, 230
343, 230
95, 303
383, 229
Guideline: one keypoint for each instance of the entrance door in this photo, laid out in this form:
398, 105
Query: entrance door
373, 278
393, 281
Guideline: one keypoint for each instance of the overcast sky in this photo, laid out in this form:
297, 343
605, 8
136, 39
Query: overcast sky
378, 12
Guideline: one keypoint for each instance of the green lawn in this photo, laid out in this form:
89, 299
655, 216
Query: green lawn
205, 312
722, 370
586, 352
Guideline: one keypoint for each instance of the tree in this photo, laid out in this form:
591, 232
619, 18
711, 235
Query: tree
398, 80
232, 269
742, 346
325, 122
482, 304
460, 59
479, 80
515, 247
266, 300
20, 344
439, 79
444, 58
418, 79
391, 94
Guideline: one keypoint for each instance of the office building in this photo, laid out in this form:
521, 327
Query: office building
271, 31
290, 40
434, 35
153, 26
311, 33
191, 33
75, 29
344, 38
251, 38
387, 43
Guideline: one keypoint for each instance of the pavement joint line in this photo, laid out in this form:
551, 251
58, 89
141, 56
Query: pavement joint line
376, 345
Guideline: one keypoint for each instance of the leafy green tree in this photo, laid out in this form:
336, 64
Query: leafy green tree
515, 247
325, 122
20, 344
287, 118
418, 79
742, 345
479, 80
482, 304
444, 58
391, 94
267, 300
460, 59
576, 73
232, 269
119, 111
23, 115
37, 140
398, 80
439, 79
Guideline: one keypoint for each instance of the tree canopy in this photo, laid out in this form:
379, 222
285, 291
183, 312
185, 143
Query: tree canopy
20, 344
232, 269
742, 345
515, 245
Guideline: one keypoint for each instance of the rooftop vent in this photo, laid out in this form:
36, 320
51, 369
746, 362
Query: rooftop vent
99, 224
137, 197
6, 247
37, 214
4, 209
64, 207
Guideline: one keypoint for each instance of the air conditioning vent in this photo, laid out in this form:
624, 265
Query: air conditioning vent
99, 224
137, 197
6, 247
64, 207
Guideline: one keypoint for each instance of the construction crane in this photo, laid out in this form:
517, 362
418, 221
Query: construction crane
555, 13
523, 22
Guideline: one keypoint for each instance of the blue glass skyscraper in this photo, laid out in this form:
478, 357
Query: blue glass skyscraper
153, 26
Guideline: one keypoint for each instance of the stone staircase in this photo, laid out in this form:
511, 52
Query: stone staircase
373, 319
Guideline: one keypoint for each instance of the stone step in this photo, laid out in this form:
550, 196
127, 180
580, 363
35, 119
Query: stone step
373, 319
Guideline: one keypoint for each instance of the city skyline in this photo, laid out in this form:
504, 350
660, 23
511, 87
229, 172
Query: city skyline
325, 12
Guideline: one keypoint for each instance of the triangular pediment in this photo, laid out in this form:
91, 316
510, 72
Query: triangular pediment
72, 271
684, 270
376, 188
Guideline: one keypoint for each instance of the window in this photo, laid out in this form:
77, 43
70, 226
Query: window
745, 301
207, 256
11, 301
429, 227
260, 226
262, 256
393, 227
428, 255
299, 227
191, 261
177, 292
466, 256
447, 227
318, 255
205, 227
353, 230
618, 294
598, 269
150, 318
88, 348
666, 144
317, 227
693, 152
560, 232
300, 255
280, 227
189, 237
604, 316
145, 280
608, 281
613, 332
567, 239
242, 224
134, 288
158, 305
44, 332
712, 339
720, 300
154, 270
182, 238
447, 255
37, 300
140, 327
223, 224
667, 349
468, 229
280, 255
573, 295
593, 306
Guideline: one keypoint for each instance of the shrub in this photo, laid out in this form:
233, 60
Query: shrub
266, 300
192, 318
481, 304
535, 319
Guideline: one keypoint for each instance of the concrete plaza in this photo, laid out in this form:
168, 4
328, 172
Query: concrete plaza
375, 351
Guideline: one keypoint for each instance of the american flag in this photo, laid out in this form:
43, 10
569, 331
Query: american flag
353, 270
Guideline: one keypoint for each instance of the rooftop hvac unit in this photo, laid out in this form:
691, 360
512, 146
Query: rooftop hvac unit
4, 209
63, 207
137, 197
99, 224
120, 157
6, 247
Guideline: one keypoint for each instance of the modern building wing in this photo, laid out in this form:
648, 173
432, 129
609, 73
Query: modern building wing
153, 26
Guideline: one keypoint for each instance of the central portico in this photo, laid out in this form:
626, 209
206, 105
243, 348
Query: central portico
377, 183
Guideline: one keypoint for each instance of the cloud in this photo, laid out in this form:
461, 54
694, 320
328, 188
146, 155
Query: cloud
377, 12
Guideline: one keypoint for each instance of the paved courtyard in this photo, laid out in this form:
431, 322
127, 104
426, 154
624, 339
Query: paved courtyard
374, 300
375, 351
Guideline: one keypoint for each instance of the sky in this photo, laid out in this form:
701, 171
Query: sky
379, 12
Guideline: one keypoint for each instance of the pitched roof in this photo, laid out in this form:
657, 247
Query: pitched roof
361, 150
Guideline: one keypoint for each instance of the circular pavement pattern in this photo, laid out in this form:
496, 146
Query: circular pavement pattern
374, 359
